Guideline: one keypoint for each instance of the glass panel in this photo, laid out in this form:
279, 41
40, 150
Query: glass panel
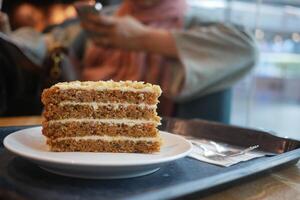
269, 98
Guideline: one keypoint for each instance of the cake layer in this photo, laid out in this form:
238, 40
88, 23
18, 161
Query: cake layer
115, 106
118, 146
57, 130
128, 122
55, 95
109, 138
53, 112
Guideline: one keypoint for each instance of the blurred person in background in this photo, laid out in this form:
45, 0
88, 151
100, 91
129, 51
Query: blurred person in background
165, 43
162, 42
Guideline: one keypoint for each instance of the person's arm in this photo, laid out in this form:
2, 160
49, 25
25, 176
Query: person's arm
159, 41
214, 56
129, 34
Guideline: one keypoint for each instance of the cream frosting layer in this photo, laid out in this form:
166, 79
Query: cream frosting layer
115, 106
110, 138
129, 122
133, 86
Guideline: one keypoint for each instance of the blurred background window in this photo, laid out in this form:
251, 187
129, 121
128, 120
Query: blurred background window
269, 97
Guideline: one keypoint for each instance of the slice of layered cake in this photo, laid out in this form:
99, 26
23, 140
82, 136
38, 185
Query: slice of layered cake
103, 116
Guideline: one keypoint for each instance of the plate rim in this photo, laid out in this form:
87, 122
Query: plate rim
36, 158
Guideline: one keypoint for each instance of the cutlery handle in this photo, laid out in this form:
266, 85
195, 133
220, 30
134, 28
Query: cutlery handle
245, 150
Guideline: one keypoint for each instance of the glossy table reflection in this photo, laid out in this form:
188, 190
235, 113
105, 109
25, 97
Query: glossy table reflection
282, 184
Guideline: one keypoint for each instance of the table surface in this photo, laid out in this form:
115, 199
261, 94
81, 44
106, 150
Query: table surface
282, 184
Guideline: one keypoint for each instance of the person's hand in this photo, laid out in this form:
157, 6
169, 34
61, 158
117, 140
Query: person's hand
116, 32
4, 23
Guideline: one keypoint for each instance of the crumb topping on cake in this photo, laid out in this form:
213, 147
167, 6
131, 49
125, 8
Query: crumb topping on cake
137, 86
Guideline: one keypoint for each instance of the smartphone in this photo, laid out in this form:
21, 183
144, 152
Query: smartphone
88, 8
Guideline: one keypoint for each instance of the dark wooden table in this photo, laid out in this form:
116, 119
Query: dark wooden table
283, 184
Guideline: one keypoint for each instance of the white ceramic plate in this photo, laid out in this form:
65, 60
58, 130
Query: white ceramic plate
30, 144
